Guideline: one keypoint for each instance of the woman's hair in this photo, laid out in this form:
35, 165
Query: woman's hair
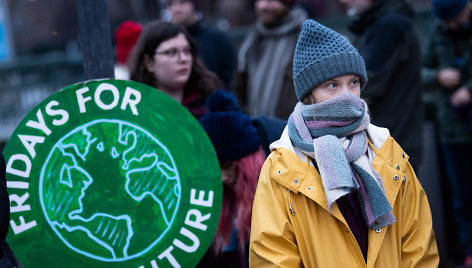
308, 99
238, 200
153, 34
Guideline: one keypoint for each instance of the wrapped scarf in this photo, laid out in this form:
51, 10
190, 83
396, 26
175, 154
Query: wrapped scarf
266, 54
333, 133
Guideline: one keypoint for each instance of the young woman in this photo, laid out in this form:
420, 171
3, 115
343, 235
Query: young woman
237, 143
337, 191
166, 57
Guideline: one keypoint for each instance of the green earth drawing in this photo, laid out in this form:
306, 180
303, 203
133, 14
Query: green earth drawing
109, 190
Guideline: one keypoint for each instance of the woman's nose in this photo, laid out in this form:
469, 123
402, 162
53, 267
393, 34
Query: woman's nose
184, 56
452, 25
343, 89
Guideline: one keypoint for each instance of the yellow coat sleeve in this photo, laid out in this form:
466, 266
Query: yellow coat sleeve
272, 242
419, 247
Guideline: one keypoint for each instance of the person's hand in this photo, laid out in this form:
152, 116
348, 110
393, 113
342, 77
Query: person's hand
449, 77
460, 97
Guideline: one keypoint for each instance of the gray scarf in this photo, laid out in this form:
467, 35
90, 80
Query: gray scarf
265, 55
333, 133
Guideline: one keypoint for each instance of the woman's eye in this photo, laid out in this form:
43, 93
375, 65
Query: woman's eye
331, 85
172, 52
187, 51
355, 82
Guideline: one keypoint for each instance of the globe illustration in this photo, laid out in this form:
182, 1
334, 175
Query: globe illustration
109, 190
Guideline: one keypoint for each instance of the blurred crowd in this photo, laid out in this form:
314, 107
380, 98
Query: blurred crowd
244, 93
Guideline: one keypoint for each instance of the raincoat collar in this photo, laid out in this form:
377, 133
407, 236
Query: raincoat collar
295, 171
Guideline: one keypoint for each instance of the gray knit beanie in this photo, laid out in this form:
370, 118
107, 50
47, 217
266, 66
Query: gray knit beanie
322, 54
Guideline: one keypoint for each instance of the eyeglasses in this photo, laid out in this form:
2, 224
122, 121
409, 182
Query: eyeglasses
175, 54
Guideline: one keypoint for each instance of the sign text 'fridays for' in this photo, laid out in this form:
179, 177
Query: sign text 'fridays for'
56, 114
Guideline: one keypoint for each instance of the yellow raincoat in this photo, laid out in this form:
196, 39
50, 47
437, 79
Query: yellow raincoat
292, 226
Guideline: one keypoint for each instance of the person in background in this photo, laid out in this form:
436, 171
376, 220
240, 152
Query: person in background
263, 81
7, 258
239, 149
447, 66
126, 36
215, 48
4, 202
166, 57
387, 40
337, 191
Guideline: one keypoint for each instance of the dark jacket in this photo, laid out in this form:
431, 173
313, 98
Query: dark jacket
4, 204
4, 201
390, 47
449, 49
215, 49
269, 129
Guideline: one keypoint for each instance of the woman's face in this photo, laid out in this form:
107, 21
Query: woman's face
335, 87
183, 12
228, 174
171, 63
459, 21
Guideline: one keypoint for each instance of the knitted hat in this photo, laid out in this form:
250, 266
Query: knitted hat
230, 130
448, 9
322, 54
126, 36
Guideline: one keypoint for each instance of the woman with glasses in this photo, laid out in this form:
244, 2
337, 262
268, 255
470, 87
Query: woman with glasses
166, 57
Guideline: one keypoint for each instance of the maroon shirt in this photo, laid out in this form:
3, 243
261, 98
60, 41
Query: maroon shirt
195, 103
350, 208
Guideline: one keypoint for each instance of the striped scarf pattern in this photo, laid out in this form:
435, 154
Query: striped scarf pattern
333, 133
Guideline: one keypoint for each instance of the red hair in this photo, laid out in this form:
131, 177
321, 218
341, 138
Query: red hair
237, 200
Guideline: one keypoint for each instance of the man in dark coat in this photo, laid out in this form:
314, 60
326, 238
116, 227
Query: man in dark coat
264, 76
447, 66
386, 39
214, 47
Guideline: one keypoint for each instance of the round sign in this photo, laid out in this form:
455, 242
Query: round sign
111, 173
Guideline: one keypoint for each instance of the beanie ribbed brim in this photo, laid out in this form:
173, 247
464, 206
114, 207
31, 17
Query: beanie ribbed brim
232, 134
323, 69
